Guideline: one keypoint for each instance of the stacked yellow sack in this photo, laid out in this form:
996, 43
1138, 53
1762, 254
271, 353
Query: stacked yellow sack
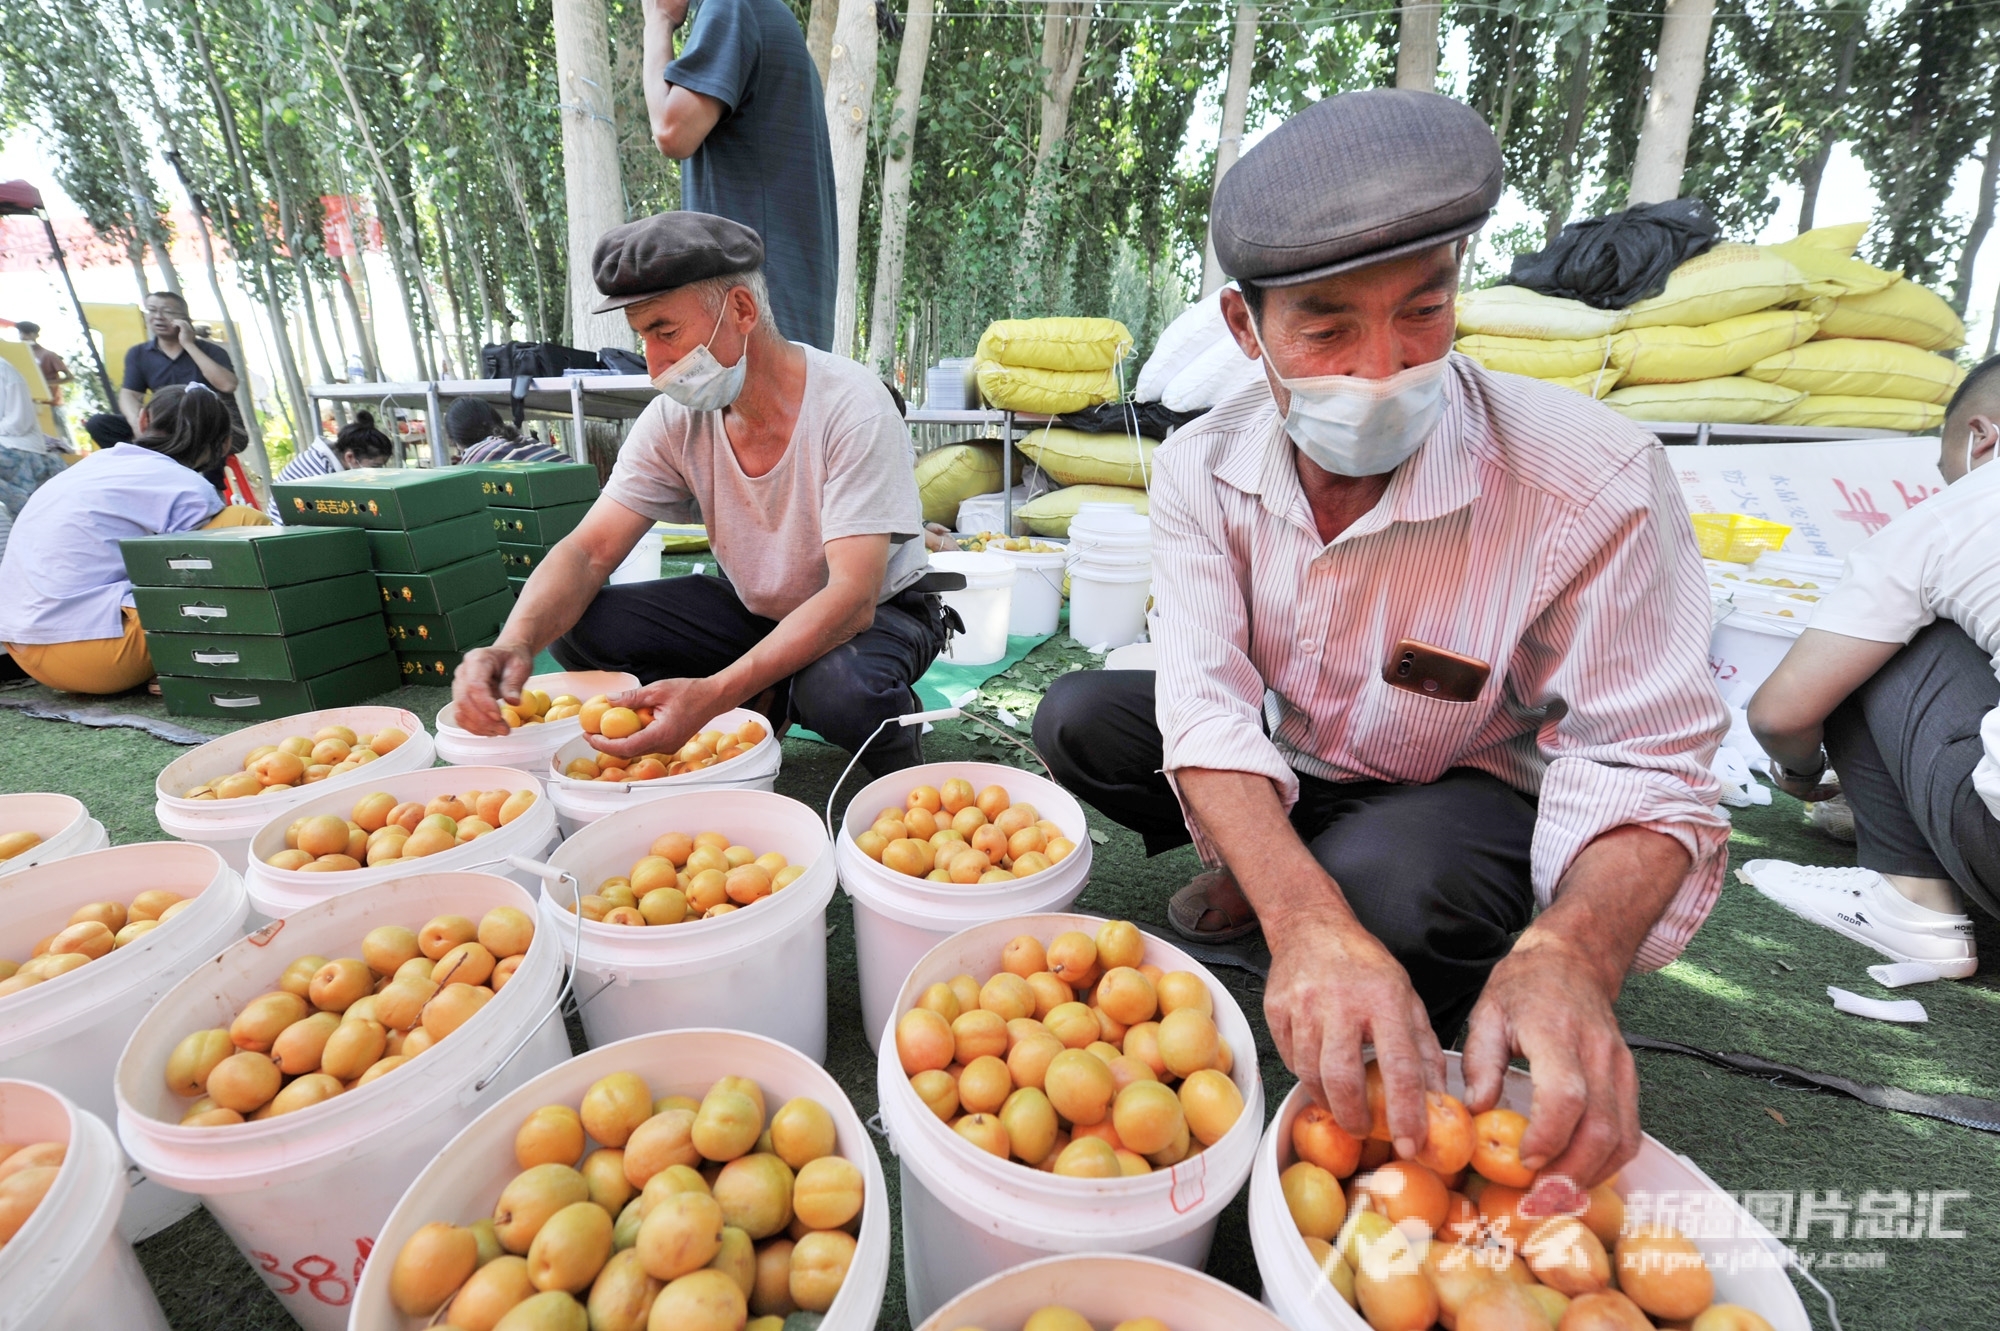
948, 476
1049, 514
1075, 457
1050, 366
1795, 334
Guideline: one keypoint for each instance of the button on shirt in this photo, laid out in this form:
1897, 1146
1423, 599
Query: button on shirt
1936, 561
64, 575
1534, 530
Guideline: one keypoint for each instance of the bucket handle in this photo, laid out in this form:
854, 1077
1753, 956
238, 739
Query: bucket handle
549, 874
916, 719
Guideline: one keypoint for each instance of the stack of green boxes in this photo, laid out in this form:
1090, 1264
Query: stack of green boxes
438, 574
260, 621
534, 505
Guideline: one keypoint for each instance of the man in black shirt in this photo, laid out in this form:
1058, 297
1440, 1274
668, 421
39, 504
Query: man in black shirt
173, 356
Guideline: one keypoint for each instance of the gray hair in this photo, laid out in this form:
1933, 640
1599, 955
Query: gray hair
713, 291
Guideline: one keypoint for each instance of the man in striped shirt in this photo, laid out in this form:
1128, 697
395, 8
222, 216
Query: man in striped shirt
1329, 548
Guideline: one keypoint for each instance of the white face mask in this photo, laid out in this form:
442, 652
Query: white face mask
1361, 427
698, 381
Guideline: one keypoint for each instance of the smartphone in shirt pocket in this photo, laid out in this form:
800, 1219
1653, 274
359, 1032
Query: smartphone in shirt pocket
1435, 672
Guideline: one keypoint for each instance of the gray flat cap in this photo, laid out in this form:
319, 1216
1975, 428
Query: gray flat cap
1355, 180
666, 251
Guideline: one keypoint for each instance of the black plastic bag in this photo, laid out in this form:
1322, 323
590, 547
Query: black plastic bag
1620, 259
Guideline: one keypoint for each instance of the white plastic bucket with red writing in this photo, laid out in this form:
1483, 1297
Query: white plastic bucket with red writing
304, 1194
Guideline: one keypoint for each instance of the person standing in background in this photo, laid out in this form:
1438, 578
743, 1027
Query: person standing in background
174, 355
55, 370
742, 107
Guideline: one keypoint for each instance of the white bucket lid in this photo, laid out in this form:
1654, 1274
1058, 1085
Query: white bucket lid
983, 572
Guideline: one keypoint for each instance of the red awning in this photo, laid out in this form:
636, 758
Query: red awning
18, 196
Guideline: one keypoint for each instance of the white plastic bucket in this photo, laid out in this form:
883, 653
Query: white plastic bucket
1744, 649
228, 825
581, 803
1038, 591
276, 893
642, 562
1107, 1288
986, 605
1108, 592
1746, 1261
527, 747
67, 1033
968, 1215
68, 1268
304, 1194
762, 969
64, 825
464, 1182
897, 918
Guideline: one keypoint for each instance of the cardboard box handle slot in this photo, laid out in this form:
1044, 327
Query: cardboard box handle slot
220, 701
190, 565
217, 658
204, 612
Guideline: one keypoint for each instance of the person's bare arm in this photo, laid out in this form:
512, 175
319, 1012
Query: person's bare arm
1551, 1000
1333, 987
835, 613
1788, 713
567, 580
220, 377
680, 118
130, 404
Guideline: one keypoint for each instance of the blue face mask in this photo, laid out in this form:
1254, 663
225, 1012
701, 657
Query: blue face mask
699, 382
1362, 427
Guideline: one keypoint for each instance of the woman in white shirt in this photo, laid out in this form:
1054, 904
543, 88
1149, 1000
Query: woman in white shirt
67, 618
1896, 683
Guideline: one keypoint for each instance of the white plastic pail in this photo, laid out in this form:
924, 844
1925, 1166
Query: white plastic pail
642, 562
527, 747
1744, 649
1108, 592
276, 893
968, 1215
228, 825
1748, 1264
1107, 1288
760, 969
67, 1033
897, 918
1038, 591
986, 605
581, 803
63, 824
304, 1194
69, 1268
464, 1182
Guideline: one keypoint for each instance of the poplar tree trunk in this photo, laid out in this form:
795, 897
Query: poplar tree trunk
1417, 45
1982, 221
850, 93
819, 35
1065, 35
1572, 133
898, 162
592, 186
1678, 68
1815, 169
1235, 103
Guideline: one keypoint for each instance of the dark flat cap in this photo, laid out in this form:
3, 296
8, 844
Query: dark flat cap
666, 251
1355, 180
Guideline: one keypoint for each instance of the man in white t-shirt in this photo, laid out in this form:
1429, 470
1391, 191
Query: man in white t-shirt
802, 469
1898, 677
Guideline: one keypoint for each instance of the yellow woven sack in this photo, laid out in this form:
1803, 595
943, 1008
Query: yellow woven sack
948, 476
1046, 392
1732, 401
1840, 239
1903, 312
1674, 355
1075, 457
1737, 538
1552, 358
1590, 385
1055, 344
1838, 274
1727, 281
1519, 312
1862, 413
1049, 514
1862, 367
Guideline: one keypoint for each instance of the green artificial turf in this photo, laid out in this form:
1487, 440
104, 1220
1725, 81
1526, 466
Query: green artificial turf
1753, 980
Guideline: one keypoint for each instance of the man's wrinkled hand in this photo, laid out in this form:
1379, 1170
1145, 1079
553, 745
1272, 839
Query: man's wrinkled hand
484, 679
681, 707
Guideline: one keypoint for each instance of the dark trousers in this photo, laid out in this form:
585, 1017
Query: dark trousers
1905, 744
688, 628
1438, 873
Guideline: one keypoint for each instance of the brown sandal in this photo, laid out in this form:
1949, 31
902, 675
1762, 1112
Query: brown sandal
1196, 917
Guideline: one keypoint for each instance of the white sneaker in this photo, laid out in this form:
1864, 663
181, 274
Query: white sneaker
1859, 904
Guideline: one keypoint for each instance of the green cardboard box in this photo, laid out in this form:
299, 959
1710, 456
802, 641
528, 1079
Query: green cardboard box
244, 557
433, 668
299, 656
380, 498
261, 699
422, 549
468, 626
536, 484
517, 585
521, 560
443, 589
536, 526
257, 610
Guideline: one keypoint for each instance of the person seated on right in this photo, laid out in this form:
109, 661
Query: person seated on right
359, 446
1894, 684
477, 434
67, 618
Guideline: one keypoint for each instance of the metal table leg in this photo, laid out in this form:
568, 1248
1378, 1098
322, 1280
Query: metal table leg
578, 452
434, 411
1007, 473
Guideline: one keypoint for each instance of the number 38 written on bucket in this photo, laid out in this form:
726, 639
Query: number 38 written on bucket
315, 1276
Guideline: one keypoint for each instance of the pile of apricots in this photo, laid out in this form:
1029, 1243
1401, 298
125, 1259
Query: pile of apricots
300, 760
701, 752
951, 834
382, 828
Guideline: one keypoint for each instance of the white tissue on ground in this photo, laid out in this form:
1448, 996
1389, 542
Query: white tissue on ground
1897, 974
1878, 1009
